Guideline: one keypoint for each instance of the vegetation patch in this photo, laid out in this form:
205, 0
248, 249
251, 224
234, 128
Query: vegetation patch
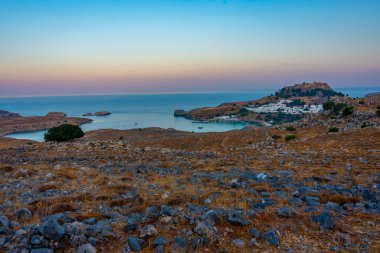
290, 137
333, 130
65, 132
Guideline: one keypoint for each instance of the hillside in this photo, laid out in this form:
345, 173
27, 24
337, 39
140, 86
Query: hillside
289, 104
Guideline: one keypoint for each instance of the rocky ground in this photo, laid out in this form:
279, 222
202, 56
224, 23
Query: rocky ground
155, 190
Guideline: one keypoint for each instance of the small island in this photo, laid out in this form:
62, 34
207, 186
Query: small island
101, 113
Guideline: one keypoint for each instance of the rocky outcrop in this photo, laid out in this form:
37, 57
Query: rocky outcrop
9, 125
6, 114
180, 113
56, 114
101, 113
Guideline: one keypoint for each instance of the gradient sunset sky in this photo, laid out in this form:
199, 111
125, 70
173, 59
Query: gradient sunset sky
152, 46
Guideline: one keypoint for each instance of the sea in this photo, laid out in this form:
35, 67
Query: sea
139, 111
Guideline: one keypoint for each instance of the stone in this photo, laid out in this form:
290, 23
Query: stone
159, 249
179, 244
212, 217
311, 201
324, 220
235, 183
198, 242
148, 230
42, 250
134, 243
24, 214
236, 218
254, 233
160, 240
51, 229
208, 201
35, 240
205, 229
272, 237
85, 248
284, 211
4, 224
238, 243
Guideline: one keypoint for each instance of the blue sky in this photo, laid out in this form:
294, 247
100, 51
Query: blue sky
66, 47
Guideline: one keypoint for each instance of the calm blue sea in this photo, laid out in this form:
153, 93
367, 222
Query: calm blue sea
138, 111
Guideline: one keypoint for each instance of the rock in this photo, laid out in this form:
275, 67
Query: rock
4, 224
24, 214
56, 114
151, 214
160, 240
208, 201
262, 176
285, 212
159, 249
6, 114
205, 229
212, 217
42, 250
148, 230
159, 244
295, 201
85, 248
134, 243
102, 113
254, 233
51, 229
180, 113
368, 196
130, 227
3, 240
166, 210
324, 220
179, 245
235, 183
332, 206
35, 240
234, 217
311, 201
238, 243
272, 237
198, 242
91, 221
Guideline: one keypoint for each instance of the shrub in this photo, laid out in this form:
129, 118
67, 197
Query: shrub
361, 102
243, 112
290, 137
65, 132
333, 130
328, 105
378, 110
290, 128
276, 137
337, 108
348, 110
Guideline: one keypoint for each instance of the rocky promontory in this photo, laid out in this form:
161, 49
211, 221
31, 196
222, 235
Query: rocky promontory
289, 104
15, 123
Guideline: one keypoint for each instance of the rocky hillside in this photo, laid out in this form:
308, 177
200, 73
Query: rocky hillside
289, 104
156, 190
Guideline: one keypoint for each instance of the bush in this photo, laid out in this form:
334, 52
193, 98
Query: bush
348, 110
333, 130
337, 108
276, 137
378, 110
328, 105
290, 128
243, 112
290, 137
65, 132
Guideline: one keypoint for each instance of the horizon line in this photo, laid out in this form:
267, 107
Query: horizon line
164, 93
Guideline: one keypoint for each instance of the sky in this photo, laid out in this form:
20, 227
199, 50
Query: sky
55, 47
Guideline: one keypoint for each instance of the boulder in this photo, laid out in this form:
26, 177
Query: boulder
324, 220
134, 243
24, 214
85, 248
272, 237
4, 224
52, 229
236, 218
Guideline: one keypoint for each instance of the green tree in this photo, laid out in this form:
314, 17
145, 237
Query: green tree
64, 132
